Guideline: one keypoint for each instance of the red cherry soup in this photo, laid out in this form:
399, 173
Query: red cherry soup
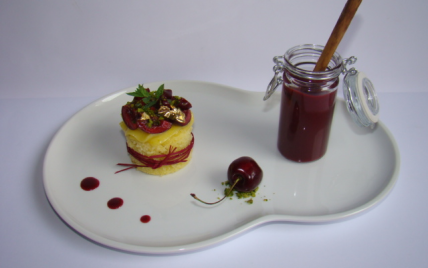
305, 121
307, 102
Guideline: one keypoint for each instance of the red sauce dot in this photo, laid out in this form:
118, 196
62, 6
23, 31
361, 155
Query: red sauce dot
115, 203
89, 183
145, 219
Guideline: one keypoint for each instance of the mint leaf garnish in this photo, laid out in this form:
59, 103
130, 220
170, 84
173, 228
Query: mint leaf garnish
140, 92
159, 92
149, 98
154, 97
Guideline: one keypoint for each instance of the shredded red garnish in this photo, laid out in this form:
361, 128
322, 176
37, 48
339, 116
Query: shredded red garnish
157, 161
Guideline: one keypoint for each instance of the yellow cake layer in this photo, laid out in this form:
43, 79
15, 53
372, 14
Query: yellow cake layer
159, 144
156, 139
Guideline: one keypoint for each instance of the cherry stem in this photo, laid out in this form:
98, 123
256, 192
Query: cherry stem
226, 195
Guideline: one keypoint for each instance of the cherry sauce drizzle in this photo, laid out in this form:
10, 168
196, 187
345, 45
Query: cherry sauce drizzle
89, 183
115, 203
145, 219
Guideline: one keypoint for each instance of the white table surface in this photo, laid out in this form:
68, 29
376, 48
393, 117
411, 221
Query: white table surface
44, 82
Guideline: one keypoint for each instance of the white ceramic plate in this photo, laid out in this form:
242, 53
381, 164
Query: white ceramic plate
359, 170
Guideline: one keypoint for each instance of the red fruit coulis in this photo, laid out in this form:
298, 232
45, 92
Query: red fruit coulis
305, 121
115, 203
145, 219
89, 183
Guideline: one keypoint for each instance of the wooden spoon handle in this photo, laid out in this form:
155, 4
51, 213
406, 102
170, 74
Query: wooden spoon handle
339, 30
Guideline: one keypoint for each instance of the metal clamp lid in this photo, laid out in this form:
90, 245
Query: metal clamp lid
360, 96
277, 80
359, 93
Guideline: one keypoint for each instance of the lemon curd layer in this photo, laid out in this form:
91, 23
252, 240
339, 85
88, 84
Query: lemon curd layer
155, 139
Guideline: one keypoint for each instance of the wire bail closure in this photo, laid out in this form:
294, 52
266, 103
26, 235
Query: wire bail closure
278, 69
349, 61
359, 93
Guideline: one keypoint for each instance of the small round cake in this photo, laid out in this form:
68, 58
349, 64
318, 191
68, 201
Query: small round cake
158, 130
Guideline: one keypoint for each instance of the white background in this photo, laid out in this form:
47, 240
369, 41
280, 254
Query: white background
91, 48
58, 56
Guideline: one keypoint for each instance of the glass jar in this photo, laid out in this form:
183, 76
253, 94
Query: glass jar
307, 103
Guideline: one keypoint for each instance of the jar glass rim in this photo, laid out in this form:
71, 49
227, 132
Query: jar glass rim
312, 52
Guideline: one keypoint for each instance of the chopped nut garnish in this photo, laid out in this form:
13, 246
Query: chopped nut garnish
175, 113
144, 116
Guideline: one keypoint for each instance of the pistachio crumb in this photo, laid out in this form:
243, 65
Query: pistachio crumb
239, 195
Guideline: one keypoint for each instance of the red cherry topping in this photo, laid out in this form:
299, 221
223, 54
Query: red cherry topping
162, 127
144, 110
165, 102
184, 104
128, 117
167, 93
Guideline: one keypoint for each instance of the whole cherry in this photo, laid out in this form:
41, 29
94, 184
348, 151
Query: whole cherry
247, 171
243, 174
